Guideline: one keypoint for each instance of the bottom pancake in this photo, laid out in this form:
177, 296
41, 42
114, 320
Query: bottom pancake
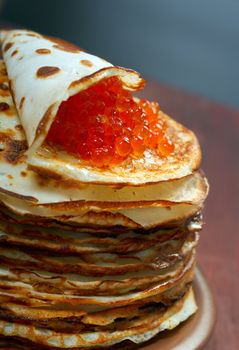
139, 332
16, 343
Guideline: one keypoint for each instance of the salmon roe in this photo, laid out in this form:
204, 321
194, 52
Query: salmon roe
104, 125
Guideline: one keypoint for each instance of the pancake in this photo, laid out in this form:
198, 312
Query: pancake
25, 193
19, 182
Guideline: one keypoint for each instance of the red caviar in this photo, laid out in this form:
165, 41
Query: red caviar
104, 125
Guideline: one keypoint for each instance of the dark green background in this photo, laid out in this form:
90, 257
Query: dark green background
193, 44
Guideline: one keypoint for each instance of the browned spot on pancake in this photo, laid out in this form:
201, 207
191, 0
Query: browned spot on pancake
48, 175
19, 127
4, 93
10, 176
89, 78
14, 53
4, 90
7, 47
10, 112
3, 71
47, 71
4, 106
63, 48
23, 173
44, 121
18, 34
3, 86
27, 33
86, 63
5, 137
15, 150
10, 85
64, 45
33, 34
43, 51
12, 93
21, 102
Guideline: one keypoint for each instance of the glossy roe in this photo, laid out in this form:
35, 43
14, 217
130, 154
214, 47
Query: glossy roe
103, 125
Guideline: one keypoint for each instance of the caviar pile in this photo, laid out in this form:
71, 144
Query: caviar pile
104, 125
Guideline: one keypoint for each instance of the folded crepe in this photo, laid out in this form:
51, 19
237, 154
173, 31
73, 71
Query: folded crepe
89, 256
147, 206
56, 72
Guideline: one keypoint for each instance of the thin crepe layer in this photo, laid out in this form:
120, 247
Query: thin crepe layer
96, 264
59, 305
78, 321
97, 228
84, 318
88, 254
140, 331
131, 218
90, 241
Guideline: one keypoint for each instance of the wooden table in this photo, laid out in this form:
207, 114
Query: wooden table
217, 128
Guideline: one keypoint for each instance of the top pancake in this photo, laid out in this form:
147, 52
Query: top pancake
37, 100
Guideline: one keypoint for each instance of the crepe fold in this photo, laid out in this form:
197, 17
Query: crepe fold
89, 257
26, 193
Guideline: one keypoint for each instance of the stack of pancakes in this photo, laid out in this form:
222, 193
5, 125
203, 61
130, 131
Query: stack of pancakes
107, 262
